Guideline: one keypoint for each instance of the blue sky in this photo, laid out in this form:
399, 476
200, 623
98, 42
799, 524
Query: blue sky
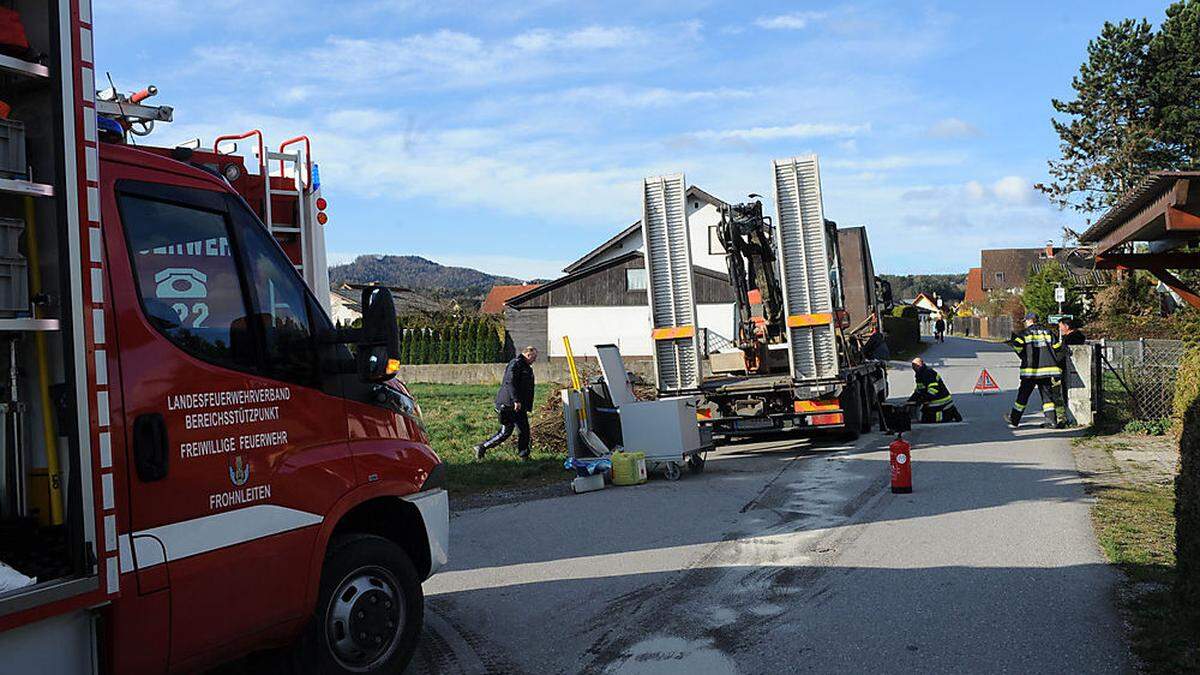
512, 137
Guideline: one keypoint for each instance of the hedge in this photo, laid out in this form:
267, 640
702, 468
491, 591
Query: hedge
903, 334
1187, 483
469, 341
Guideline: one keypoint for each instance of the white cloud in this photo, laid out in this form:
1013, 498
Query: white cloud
792, 21
953, 127
893, 162
592, 37
1015, 190
802, 130
975, 190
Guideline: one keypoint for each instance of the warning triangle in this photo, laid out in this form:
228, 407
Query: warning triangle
986, 382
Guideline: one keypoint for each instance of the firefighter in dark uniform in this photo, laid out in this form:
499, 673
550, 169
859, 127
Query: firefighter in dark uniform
1038, 349
932, 395
513, 402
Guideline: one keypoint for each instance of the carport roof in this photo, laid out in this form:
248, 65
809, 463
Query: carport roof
1161, 202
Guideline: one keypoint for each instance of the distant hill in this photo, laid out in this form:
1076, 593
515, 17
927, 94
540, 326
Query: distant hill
417, 273
948, 286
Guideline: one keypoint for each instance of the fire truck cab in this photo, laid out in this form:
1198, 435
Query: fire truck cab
196, 463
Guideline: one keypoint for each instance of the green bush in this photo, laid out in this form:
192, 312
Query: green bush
1148, 427
902, 333
1187, 386
905, 312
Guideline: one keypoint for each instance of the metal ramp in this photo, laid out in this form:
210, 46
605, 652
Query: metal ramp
671, 286
805, 268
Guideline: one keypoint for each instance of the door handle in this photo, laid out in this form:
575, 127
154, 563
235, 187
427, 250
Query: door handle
150, 447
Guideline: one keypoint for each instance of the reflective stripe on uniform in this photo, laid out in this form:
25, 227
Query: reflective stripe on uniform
1048, 406
1043, 371
1019, 407
939, 402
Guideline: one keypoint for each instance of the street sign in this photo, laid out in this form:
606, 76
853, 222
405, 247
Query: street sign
1060, 294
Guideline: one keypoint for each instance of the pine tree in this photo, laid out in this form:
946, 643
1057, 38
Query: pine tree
494, 347
478, 348
1107, 141
423, 354
1175, 84
1136, 110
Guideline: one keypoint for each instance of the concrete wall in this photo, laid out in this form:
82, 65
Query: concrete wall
553, 370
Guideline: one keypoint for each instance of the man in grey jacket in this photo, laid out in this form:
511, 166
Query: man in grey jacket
513, 402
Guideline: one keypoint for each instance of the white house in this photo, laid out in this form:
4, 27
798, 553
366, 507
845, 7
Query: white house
602, 297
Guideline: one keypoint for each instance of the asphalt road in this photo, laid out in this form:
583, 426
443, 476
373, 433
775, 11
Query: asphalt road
794, 556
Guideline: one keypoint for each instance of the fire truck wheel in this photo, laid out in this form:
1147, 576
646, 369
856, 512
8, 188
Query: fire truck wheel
867, 399
852, 410
369, 610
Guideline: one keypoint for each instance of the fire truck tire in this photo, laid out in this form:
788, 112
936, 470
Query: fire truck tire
852, 410
369, 610
867, 399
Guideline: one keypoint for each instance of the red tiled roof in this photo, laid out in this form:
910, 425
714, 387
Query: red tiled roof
494, 302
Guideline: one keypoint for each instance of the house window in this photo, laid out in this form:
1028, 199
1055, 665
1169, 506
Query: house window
999, 278
714, 242
635, 279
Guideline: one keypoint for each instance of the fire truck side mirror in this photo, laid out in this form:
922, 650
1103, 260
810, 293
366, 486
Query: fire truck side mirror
378, 341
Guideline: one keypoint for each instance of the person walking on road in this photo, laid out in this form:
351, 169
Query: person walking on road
513, 402
1038, 350
932, 395
939, 329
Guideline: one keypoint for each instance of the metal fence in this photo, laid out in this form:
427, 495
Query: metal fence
1138, 378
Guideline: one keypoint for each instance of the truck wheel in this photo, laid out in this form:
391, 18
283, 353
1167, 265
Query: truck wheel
696, 463
369, 610
867, 399
852, 410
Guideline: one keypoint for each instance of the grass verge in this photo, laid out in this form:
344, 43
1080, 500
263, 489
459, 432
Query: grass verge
457, 417
1134, 518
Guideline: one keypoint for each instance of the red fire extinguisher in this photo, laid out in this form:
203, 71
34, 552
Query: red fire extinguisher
901, 466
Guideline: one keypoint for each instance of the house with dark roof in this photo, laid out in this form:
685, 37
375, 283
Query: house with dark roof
601, 298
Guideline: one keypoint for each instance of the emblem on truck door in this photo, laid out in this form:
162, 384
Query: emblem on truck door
239, 471
181, 282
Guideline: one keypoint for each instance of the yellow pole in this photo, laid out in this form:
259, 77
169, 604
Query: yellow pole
571, 364
575, 382
39, 340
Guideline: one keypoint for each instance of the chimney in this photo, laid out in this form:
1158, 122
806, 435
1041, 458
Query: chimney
1050, 249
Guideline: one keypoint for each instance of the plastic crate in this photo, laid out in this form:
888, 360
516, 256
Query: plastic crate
12, 149
14, 288
10, 237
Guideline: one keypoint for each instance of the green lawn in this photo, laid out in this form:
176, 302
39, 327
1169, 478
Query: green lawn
458, 416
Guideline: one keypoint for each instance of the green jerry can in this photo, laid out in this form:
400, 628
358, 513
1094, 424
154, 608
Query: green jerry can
628, 468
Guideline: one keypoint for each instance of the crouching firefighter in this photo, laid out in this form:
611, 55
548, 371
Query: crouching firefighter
932, 395
1038, 350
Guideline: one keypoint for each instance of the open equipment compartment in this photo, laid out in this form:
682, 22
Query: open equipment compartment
47, 516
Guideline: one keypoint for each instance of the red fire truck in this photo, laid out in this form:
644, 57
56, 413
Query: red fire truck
195, 463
